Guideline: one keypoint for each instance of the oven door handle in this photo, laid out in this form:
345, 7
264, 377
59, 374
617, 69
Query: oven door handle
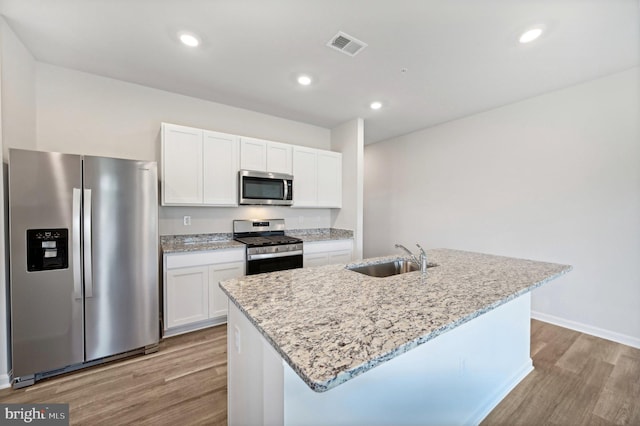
273, 255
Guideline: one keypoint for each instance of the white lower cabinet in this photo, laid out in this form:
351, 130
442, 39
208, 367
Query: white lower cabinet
187, 289
327, 252
217, 298
340, 256
314, 259
192, 297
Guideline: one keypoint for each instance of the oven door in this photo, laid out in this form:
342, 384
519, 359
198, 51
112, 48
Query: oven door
271, 264
265, 188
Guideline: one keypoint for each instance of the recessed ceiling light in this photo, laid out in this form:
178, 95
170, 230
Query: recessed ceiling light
304, 80
530, 35
189, 39
375, 105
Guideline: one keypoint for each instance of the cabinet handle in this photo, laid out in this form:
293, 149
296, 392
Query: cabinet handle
226, 269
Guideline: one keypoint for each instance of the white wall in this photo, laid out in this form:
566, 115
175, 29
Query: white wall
18, 93
88, 114
348, 139
17, 129
555, 178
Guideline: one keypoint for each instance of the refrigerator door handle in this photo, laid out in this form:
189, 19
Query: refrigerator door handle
77, 279
88, 272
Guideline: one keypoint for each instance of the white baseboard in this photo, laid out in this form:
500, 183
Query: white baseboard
588, 329
500, 393
5, 381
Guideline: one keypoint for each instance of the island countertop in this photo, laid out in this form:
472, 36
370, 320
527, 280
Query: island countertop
331, 324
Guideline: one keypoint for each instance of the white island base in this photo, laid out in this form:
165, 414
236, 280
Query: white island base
455, 379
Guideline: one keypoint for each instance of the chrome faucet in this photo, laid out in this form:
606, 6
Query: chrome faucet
420, 261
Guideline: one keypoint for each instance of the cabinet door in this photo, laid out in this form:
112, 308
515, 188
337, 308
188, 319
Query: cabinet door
220, 169
187, 295
315, 259
217, 298
181, 165
304, 177
342, 256
329, 179
279, 157
253, 154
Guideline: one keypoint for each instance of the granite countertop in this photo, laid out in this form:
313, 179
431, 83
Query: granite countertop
331, 324
220, 241
320, 234
197, 242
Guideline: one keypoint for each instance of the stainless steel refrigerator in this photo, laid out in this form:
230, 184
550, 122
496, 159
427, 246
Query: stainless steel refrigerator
84, 260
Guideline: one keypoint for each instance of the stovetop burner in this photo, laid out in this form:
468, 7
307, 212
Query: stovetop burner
261, 233
270, 240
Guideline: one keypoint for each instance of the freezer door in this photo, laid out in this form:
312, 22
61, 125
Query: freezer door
121, 287
45, 274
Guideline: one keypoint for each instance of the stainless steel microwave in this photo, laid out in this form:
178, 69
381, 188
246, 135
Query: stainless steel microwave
265, 188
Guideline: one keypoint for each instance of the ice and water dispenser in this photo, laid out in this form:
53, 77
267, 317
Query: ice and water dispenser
47, 249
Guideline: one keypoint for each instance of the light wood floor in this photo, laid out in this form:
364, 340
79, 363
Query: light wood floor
184, 383
578, 380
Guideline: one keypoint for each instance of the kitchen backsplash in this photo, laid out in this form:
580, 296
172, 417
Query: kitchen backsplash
205, 220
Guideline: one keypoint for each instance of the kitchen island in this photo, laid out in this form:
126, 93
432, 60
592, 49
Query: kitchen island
303, 343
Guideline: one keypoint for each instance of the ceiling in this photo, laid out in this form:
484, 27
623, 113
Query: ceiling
427, 61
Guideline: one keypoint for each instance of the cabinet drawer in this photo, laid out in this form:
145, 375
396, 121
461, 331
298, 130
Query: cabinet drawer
183, 260
326, 246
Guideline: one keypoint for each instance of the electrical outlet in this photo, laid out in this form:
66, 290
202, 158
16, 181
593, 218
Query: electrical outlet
186, 220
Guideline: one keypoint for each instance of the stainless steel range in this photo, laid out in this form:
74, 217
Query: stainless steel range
268, 249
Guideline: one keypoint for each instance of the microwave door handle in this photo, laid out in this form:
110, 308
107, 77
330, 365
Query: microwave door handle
286, 189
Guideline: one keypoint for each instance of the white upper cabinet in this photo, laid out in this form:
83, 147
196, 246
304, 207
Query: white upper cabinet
305, 177
279, 158
181, 165
317, 178
198, 167
329, 179
220, 162
265, 156
253, 154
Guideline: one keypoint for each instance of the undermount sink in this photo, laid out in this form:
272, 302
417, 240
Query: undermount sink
381, 270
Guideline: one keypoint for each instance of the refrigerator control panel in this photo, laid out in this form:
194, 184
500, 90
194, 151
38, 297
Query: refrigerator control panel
47, 249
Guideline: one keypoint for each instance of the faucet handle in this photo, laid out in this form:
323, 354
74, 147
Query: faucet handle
423, 260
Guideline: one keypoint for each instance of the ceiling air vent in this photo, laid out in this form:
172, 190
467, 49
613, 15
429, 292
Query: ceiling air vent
346, 44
